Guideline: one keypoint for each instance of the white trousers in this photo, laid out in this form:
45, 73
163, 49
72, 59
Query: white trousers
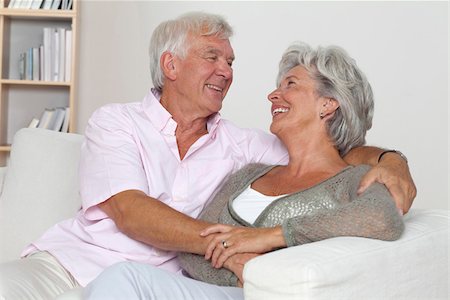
140, 281
38, 276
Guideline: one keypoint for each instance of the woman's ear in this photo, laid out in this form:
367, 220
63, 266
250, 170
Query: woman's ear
329, 107
168, 65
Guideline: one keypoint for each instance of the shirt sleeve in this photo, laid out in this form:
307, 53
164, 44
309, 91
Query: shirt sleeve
110, 159
372, 215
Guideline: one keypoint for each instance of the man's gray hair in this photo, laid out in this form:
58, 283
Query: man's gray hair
336, 76
171, 36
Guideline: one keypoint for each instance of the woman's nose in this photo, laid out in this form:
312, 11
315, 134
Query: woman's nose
275, 95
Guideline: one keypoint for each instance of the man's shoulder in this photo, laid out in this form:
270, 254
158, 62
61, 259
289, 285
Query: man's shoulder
113, 116
112, 109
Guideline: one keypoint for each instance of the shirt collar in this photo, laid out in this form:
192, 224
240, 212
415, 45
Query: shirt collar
162, 119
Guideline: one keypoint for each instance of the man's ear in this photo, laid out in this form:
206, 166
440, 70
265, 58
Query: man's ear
329, 107
168, 65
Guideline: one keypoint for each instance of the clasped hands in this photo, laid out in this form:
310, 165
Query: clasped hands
242, 244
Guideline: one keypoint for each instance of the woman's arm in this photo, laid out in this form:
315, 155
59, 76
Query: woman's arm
371, 215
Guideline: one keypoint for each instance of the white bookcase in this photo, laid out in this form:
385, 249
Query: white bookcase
23, 100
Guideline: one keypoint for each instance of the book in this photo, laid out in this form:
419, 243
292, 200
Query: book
62, 53
46, 118
68, 56
47, 4
25, 4
29, 64
65, 126
41, 62
22, 63
58, 118
48, 42
12, 4
56, 4
55, 55
35, 67
33, 123
36, 4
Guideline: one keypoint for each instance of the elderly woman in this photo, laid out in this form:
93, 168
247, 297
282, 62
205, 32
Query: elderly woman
322, 108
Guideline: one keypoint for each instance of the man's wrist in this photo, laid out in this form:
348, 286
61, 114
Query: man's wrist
392, 151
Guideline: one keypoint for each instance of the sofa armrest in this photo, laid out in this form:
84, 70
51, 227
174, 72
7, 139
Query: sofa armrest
413, 267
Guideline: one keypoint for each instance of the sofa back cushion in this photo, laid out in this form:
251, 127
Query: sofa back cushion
40, 187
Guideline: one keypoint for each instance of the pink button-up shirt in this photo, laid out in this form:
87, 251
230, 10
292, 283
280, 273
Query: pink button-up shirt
133, 146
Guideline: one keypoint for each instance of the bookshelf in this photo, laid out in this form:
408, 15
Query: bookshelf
22, 100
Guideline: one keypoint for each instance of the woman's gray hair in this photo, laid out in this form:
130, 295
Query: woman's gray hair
171, 36
336, 76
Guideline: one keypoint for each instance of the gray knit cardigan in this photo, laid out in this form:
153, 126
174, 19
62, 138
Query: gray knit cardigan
329, 209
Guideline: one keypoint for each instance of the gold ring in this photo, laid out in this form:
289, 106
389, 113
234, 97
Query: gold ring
224, 244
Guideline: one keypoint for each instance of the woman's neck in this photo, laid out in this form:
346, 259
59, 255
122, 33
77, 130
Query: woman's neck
312, 155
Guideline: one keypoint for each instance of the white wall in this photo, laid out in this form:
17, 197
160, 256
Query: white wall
401, 46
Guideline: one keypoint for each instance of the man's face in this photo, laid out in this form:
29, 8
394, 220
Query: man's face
205, 74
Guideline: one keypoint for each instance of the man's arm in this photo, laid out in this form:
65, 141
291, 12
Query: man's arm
152, 222
392, 171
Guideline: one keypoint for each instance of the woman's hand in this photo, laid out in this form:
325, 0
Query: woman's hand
229, 240
236, 264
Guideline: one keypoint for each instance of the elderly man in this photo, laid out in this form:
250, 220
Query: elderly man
148, 168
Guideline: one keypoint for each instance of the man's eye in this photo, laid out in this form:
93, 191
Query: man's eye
230, 63
211, 58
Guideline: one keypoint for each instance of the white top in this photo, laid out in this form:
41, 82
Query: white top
250, 204
133, 146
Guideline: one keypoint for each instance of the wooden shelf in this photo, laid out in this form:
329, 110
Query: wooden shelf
34, 82
5, 148
37, 13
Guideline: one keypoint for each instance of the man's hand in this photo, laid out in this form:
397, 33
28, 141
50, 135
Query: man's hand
236, 264
393, 172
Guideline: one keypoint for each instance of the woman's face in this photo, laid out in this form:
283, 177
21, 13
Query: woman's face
295, 104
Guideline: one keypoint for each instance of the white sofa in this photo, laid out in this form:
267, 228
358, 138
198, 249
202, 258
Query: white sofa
40, 188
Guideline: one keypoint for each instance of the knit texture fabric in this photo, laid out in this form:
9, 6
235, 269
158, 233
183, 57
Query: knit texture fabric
329, 209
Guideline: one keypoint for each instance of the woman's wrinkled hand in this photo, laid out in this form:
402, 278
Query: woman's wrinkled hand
236, 264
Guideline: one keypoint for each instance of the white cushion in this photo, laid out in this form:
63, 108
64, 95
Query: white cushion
40, 187
414, 267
